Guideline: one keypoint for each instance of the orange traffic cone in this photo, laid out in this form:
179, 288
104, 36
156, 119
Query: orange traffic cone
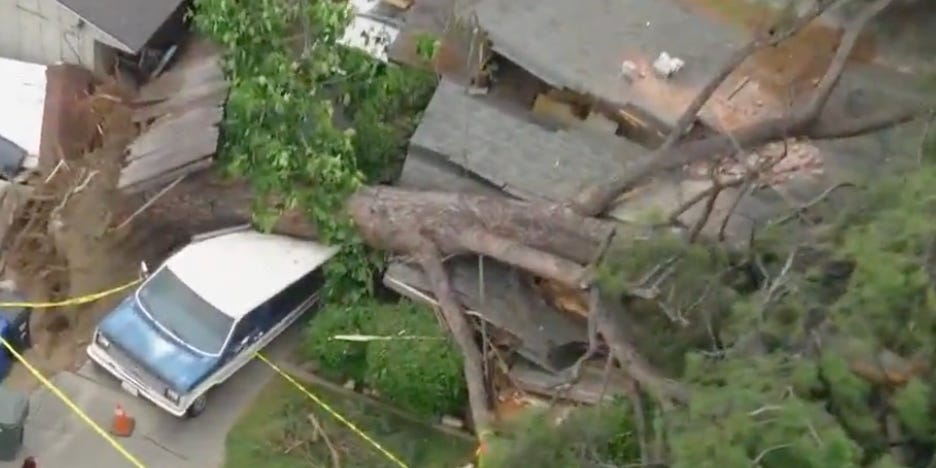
123, 424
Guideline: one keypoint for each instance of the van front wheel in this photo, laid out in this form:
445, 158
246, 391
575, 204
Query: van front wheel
198, 406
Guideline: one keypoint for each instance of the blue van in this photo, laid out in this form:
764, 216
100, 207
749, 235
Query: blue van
205, 312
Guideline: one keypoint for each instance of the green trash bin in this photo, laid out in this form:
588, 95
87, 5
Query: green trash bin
14, 407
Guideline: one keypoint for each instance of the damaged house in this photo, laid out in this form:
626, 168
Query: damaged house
540, 99
89, 33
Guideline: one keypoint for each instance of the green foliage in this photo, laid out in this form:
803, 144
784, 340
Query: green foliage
427, 46
746, 412
276, 432
697, 299
776, 378
912, 404
282, 129
590, 436
425, 375
421, 375
383, 103
336, 359
279, 127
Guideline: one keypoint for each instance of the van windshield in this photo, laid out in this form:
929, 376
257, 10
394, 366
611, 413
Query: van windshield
182, 312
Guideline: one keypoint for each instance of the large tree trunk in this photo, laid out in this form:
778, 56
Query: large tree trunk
398, 220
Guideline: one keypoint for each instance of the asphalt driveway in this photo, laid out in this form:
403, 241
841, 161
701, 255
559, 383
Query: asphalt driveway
59, 438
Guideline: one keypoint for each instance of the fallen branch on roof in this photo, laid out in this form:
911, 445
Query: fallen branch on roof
546, 239
810, 120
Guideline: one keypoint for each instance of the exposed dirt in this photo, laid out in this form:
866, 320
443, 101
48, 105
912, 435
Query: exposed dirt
65, 244
794, 65
64, 248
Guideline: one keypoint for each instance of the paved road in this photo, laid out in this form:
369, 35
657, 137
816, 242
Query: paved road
58, 438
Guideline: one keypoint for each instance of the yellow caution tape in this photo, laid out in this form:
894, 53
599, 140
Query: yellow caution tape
75, 300
72, 406
334, 413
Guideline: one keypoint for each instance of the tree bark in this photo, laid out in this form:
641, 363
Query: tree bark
398, 220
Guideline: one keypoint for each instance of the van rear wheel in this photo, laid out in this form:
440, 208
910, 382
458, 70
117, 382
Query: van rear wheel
198, 406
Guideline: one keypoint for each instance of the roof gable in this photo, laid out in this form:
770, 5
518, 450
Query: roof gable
130, 22
580, 45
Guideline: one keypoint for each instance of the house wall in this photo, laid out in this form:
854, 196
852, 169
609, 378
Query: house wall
42, 31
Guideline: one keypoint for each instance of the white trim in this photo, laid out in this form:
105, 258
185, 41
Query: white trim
407, 290
220, 232
219, 376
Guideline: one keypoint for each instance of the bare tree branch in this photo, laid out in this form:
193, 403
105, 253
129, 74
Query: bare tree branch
594, 200
431, 261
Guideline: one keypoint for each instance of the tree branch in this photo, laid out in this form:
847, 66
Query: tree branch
769, 38
596, 199
834, 72
823, 129
431, 261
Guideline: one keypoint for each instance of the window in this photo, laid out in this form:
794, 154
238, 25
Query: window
183, 313
278, 307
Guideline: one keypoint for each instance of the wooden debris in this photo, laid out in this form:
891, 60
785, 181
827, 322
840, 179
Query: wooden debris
181, 111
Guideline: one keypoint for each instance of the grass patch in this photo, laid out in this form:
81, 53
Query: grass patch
276, 433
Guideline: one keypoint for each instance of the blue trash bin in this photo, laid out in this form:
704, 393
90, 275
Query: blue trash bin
17, 321
6, 360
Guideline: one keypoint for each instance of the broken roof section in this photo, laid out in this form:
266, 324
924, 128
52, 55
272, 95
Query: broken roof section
581, 46
22, 92
131, 23
181, 112
506, 299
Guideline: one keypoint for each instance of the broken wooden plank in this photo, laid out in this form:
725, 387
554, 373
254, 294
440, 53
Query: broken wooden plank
207, 95
155, 183
170, 83
187, 149
170, 134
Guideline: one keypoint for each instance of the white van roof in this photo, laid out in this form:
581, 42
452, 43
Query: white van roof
238, 271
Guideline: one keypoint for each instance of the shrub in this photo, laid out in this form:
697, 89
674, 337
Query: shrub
421, 375
336, 359
589, 436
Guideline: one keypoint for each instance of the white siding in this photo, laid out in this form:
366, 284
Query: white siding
42, 31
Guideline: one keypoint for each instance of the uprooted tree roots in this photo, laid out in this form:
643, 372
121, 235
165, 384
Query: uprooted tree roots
563, 242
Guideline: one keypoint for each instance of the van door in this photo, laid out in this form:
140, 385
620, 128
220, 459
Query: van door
278, 308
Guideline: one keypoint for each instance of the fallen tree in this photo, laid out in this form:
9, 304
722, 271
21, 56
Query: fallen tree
564, 242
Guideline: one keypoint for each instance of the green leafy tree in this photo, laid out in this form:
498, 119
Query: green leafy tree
279, 128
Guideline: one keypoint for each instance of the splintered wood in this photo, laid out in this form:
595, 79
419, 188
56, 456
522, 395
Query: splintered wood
181, 112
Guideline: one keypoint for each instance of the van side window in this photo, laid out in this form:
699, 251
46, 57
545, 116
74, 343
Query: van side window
279, 306
297, 292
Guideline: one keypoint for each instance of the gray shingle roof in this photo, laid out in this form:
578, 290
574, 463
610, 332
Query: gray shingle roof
581, 44
512, 152
132, 22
